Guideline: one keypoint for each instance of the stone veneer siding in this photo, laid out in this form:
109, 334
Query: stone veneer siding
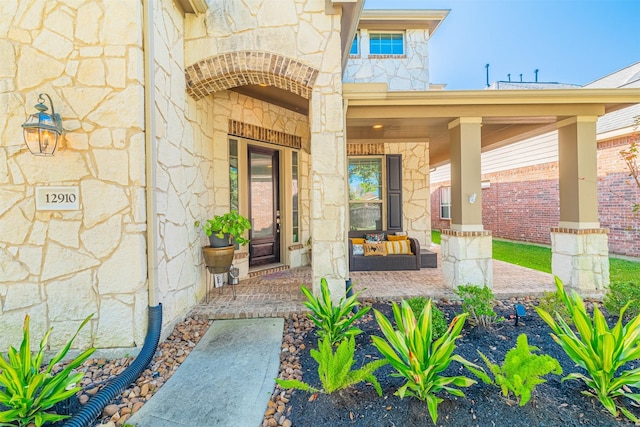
60, 266
522, 204
401, 72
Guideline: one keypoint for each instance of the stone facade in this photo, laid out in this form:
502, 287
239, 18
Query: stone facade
89, 56
409, 71
60, 266
467, 258
580, 258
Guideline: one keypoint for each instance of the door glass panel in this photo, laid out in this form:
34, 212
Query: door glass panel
261, 195
233, 175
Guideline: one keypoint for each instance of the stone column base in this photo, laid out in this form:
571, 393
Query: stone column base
580, 258
466, 258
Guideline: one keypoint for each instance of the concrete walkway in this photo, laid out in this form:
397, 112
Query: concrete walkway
227, 379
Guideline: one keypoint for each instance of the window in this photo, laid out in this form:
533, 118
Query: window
445, 202
365, 193
354, 46
294, 195
386, 44
233, 175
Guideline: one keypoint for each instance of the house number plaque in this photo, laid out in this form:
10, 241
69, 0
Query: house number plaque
57, 198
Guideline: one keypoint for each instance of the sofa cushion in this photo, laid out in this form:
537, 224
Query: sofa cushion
393, 238
358, 248
375, 249
399, 247
357, 240
374, 237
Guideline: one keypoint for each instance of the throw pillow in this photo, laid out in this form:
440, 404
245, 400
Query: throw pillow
399, 247
375, 249
358, 248
395, 238
374, 237
357, 240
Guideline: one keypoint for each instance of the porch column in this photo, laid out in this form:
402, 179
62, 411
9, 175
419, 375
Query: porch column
328, 189
580, 253
466, 247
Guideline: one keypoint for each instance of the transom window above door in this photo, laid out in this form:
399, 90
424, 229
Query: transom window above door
386, 44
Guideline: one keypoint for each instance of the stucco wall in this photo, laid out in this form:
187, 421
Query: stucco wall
60, 266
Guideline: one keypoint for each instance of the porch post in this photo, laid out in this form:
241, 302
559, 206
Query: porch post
466, 247
580, 253
328, 164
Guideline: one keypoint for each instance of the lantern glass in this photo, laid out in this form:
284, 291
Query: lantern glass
42, 130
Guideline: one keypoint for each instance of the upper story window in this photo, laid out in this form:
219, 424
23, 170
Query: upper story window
386, 44
355, 45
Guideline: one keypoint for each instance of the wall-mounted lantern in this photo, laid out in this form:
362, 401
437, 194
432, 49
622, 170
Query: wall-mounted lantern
42, 130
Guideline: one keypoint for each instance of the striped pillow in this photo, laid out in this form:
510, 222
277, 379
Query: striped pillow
399, 247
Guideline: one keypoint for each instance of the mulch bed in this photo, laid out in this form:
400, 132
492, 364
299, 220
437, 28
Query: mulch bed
553, 403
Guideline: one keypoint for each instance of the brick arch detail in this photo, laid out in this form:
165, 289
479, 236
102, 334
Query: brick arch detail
242, 68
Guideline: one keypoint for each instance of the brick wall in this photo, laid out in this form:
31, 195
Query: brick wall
522, 204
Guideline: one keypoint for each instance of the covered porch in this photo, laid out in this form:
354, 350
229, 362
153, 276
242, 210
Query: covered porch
278, 294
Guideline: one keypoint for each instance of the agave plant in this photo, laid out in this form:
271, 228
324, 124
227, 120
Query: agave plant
600, 350
28, 389
412, 352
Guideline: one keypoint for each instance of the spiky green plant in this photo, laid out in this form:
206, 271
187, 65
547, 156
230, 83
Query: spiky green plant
437, 316
521, 371
334, 369
29, 389
333, 322
417, 357
600, 350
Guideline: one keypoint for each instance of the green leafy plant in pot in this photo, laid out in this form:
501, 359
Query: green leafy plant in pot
229, 228
223, 231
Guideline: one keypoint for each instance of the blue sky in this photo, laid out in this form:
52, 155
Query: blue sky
568, 41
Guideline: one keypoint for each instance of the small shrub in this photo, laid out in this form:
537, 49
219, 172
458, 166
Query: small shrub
418, 358
333, 322
439, 322
478, 302
600, 350
28, 389
619, 294
551, 302
334, 369
521, 371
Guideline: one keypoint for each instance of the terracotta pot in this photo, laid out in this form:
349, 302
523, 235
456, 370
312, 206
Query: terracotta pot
218, 260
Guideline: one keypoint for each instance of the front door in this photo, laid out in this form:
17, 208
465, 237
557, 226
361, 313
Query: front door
264, 206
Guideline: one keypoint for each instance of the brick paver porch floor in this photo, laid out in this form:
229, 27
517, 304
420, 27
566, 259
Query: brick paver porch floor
278, 294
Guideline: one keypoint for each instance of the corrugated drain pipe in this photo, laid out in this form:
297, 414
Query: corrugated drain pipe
92, 410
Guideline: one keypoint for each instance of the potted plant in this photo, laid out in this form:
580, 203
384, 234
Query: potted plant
223, 232
227, 229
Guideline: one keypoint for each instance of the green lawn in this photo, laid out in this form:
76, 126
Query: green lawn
539, 258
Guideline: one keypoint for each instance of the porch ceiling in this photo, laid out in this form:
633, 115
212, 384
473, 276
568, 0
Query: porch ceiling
507, 116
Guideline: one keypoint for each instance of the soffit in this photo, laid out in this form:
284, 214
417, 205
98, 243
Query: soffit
507, 116
402, 19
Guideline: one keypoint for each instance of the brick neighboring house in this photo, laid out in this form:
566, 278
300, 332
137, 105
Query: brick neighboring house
520, 182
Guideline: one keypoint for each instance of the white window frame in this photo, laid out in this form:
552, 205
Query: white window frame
445, 202
372, 36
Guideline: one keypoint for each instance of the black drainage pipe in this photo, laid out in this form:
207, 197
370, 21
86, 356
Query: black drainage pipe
92, 410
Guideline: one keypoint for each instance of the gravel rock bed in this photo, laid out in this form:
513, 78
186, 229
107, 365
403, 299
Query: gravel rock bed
170, 354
